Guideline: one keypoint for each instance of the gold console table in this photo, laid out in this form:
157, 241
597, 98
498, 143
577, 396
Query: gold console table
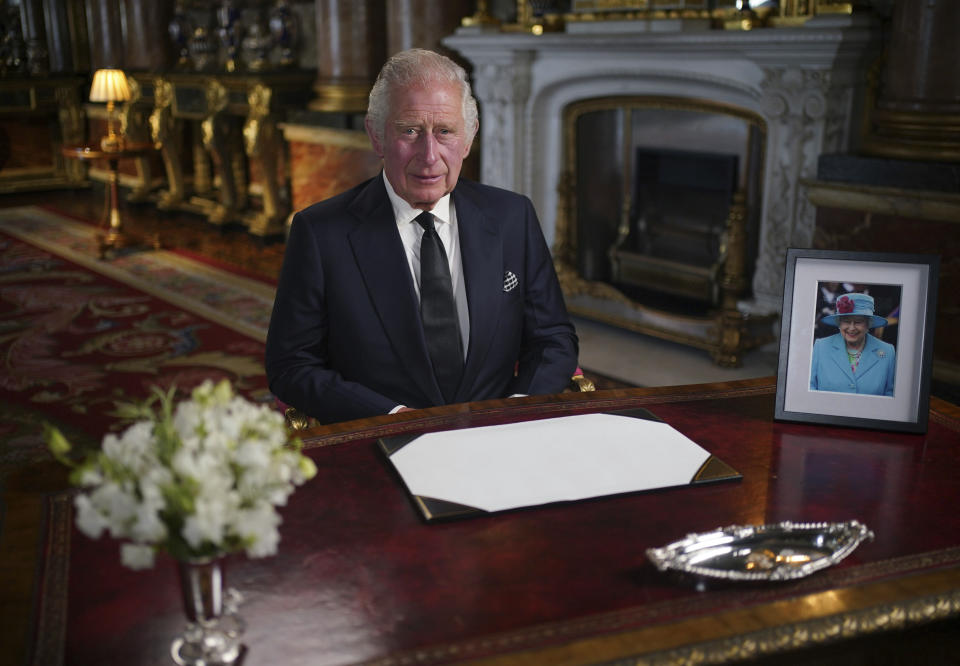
223, 128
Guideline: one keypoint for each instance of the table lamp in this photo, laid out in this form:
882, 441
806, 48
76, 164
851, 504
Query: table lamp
110, 86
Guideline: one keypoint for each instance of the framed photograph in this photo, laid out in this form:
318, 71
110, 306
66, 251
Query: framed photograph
856, 339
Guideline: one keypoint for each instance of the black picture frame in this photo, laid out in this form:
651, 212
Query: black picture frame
808, 284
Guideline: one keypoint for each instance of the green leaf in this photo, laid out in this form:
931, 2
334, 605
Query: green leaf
58, 444
307, 467
76, 475
180, 496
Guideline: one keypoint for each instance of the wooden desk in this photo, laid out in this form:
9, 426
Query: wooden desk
114, 237
360, 577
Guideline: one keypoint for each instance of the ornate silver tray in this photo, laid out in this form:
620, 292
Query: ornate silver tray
782, 551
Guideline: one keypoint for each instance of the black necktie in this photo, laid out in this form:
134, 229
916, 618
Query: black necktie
438, 310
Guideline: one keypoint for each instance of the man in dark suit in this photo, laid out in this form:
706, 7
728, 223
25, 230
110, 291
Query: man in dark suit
382, 307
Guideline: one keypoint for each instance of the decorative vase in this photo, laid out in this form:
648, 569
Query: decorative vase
228, 19
202, 50
213, 631
256, 47
180, 31
285, 31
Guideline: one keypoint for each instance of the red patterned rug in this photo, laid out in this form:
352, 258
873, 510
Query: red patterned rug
78, 334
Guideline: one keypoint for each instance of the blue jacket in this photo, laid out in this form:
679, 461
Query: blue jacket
830, 369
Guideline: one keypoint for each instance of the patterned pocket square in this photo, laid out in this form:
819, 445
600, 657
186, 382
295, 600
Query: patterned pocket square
509, 281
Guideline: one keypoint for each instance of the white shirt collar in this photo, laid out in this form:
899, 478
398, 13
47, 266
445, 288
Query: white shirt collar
404, 213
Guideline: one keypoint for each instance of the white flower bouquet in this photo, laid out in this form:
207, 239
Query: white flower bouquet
197, 480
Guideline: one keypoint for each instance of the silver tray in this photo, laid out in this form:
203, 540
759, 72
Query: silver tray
762, 552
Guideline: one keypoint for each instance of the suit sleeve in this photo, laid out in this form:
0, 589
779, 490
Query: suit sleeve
296, 351
548, 347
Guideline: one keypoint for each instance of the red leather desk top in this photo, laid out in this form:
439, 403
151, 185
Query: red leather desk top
361, 577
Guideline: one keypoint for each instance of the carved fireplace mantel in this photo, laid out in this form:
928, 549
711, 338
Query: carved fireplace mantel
805, 83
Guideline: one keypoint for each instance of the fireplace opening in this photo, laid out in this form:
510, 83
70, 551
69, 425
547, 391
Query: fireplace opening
659, 217
680, 204
654, 185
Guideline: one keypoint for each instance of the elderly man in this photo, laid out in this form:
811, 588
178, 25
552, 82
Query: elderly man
417, 288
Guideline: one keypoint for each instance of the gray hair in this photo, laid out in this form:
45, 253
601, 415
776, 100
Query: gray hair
419, 67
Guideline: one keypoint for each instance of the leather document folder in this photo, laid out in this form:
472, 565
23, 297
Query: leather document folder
473, 471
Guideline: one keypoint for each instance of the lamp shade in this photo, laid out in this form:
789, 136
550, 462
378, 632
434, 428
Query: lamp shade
109, 85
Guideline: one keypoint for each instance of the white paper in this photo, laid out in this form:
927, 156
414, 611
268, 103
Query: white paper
515, 465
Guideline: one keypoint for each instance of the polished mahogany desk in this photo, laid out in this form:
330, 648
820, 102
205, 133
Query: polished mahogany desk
360, 577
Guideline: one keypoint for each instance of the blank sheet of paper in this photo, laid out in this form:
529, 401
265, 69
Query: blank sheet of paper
494, 468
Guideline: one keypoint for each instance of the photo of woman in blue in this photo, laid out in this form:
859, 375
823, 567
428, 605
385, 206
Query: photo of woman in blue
852, 360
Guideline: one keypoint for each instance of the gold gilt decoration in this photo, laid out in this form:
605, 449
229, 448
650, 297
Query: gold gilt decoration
724, 14
166, 131
910, 135
481, 17
202, 173
134, 127
296, 419
261, 144
914, 135
732, 283
713, 469
216, 131
583, 384
343, 97
216, 96
225, 128
812, 633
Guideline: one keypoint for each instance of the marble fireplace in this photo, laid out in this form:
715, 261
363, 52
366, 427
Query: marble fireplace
801, 88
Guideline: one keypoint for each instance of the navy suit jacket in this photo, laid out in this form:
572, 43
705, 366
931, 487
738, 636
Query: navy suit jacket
345, 338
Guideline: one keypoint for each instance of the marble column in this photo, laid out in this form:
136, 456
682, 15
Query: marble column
406, 27
147, 47
59, 40
351, 40
35, 36
106, 36
917, 114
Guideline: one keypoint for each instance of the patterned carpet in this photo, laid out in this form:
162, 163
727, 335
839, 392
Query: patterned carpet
78, 334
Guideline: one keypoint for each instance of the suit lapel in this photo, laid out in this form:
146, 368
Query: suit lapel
839, 356
482, 257
869, 357
379, 252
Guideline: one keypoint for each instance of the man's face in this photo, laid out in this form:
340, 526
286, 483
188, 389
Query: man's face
854, 329
424, 143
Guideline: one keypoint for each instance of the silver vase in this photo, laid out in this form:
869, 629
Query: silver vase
214, 628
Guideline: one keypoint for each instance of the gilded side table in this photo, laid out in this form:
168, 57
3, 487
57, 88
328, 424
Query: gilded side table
114, 237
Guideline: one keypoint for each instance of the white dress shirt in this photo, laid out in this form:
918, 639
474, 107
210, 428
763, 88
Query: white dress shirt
411, 233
